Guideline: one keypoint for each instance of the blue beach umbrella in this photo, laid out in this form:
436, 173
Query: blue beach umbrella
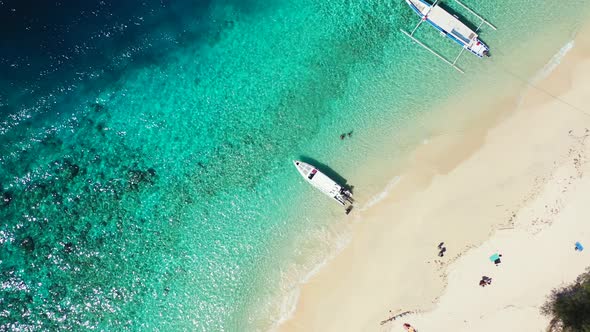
579, 246
495, 258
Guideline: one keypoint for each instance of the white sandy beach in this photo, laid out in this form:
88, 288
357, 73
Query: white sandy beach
538, 255
517, 184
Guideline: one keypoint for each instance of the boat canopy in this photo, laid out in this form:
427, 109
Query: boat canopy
451, 24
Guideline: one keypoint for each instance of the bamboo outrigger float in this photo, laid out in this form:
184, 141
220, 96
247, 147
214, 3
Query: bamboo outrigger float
449, 26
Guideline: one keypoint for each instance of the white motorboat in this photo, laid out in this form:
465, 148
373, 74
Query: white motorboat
324, 184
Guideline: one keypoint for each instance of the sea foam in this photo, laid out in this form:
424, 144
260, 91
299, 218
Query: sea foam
553, 62
288, 303
547, 69
382, 194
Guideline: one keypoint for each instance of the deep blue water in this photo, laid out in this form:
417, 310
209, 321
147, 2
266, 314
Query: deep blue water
53, 47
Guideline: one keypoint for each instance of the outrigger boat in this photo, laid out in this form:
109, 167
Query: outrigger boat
326, 185
449, 26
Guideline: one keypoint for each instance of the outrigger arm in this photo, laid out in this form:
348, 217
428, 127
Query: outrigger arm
474, 13
424, 19
432, 51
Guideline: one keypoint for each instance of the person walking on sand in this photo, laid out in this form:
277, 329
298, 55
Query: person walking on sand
485, 281
409, 328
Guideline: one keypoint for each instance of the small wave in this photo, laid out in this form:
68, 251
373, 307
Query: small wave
548, 68
381, 195
288, 307
553, 62
289, 302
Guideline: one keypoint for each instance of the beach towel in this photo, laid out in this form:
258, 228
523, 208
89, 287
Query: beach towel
579, 246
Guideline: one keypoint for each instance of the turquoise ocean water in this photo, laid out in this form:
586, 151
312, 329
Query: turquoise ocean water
154, 190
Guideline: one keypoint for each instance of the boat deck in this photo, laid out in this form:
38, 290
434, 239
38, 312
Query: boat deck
451, 24
318, 179
325, 184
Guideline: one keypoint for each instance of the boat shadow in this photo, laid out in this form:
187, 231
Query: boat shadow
328, 171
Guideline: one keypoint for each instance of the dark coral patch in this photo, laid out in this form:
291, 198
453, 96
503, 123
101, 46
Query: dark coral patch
97, 107
137, 178
6, 198
74, 170
68, 247
52, 141
28, 244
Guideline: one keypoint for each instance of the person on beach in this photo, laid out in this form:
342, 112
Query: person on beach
442, 251
409, 328
485, 281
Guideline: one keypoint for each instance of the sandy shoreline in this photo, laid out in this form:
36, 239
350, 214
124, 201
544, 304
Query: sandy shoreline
495, 179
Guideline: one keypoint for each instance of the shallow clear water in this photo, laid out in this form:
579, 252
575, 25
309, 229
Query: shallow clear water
145, 157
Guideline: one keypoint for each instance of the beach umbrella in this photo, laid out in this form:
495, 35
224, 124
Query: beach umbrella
495, 258
579, 246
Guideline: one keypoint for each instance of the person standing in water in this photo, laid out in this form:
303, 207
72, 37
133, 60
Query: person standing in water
343, 135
